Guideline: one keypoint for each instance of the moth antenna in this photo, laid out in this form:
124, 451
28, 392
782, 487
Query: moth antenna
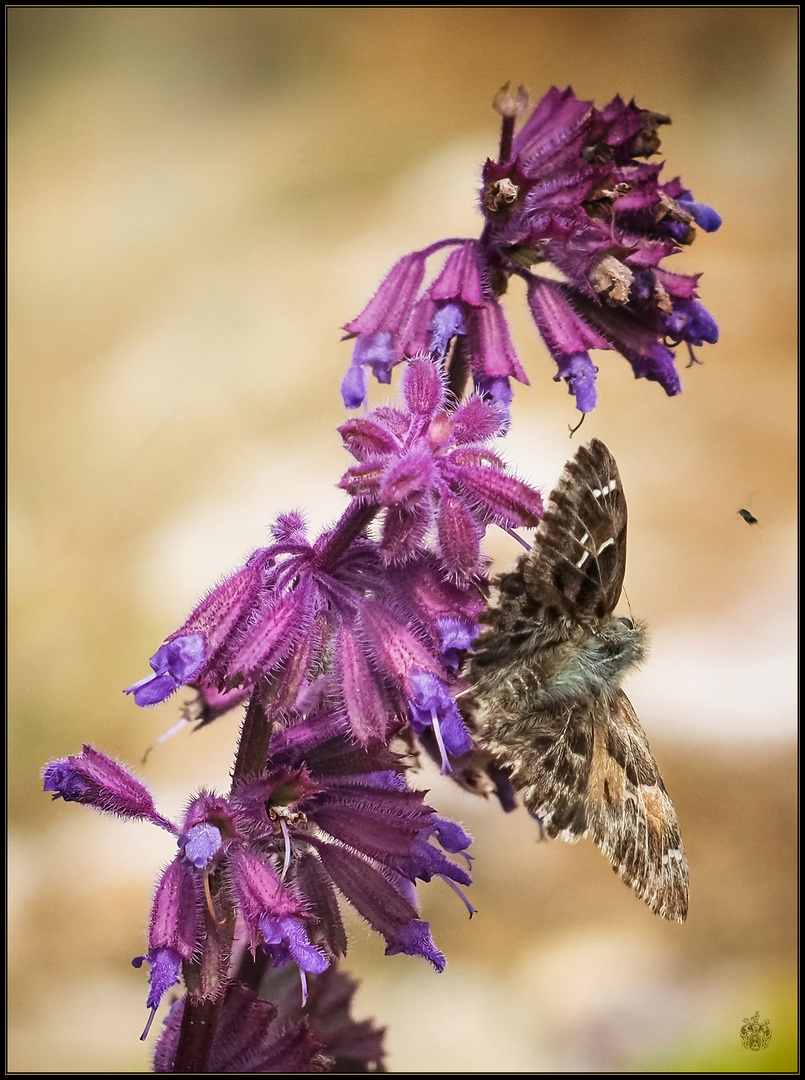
628, 604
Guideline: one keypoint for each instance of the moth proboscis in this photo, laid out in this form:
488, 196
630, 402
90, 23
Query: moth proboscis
545, 696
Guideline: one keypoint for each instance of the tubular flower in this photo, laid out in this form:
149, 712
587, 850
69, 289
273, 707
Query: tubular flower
380, 326
572, 190
370, 614
248, 1039
352, 643
325, 818
353, 827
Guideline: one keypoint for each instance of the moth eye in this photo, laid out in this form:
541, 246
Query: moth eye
628, 623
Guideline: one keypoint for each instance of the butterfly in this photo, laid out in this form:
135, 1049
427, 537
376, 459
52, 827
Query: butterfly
544, 688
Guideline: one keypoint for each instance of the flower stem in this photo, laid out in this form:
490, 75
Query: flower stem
506, 139
458, 370
199, 1022
350, 526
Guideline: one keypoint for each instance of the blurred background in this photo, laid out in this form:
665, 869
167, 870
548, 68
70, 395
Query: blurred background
199, 198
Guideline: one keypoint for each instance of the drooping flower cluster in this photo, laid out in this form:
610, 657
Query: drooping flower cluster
572, 193
324, 819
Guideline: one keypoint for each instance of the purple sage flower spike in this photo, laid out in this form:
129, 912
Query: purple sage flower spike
350, 647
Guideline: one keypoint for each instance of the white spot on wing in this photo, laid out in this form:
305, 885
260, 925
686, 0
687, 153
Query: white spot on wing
605, 490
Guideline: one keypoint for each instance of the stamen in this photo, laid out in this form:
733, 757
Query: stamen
573, 430
287, 837
437, 731
693, 357
508, 529
509, 104
167, 735
147, 1028
303, 980
208, 897
461, 895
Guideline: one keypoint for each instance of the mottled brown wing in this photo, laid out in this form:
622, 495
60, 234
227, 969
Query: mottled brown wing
549, 757
589, 771
629, 813
573, 576
579, 557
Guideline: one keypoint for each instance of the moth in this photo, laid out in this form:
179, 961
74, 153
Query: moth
544, 688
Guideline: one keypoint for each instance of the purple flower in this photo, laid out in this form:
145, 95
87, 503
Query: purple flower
353, 642
215, 837
361, 621
579, 373
413, 938
95, 780
380, 327
704, 216
370, 837
366, 612
273, 1034
572, 190
433, 706
175, 664
192, 653
324, 818
457, 635
430, 469
353, 1047
689, 321
568, 337
286, 939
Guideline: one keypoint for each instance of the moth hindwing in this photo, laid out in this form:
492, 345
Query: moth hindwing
545, 693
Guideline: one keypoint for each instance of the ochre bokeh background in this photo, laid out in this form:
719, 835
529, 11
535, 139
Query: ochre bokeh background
198, 200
